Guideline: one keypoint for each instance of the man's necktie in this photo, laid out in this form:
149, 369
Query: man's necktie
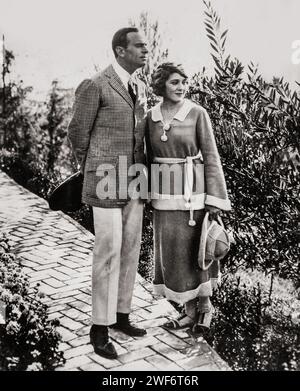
131, 93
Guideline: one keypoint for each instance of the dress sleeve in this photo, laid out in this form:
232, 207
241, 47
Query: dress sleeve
85, 109
216, 192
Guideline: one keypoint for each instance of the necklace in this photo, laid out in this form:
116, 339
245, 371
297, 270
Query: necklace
167, 118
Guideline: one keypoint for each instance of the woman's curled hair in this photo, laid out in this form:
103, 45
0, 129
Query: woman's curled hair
162, 73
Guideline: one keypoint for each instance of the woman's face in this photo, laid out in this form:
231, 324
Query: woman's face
176, 87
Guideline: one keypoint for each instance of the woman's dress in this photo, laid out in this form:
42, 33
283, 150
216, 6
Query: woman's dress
185, 175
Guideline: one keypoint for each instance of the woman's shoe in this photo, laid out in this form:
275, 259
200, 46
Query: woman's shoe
204, 321
181, 322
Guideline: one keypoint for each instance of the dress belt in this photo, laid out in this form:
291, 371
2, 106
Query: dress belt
188, 179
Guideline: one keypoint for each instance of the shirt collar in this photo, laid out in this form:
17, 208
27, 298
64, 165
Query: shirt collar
122, 73
181, 115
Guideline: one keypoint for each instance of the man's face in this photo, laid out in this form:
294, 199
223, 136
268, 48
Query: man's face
135, 55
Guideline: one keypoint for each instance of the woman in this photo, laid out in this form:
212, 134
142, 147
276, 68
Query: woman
179, 140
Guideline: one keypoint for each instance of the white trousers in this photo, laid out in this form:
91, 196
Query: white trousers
115, 260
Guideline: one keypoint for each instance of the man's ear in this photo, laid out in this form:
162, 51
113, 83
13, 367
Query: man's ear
120, 51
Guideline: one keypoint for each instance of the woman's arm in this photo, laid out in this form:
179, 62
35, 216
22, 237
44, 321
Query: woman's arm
216, 192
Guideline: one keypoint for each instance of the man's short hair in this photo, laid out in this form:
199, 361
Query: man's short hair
162, 73
120, 38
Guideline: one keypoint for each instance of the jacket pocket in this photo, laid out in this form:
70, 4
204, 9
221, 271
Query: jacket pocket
100, 163
96, 170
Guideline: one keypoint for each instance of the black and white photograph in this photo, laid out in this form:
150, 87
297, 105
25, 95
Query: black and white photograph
149, 189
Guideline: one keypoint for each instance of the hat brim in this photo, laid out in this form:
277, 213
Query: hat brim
67, 196
206, 227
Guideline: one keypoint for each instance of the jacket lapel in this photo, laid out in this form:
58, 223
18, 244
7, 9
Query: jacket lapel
117, 85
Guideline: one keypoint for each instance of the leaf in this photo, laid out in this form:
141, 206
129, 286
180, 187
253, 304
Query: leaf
217, 61
218, 64
223, 44
273, 94
212, 38
227, 60
211, 29
209, 26
214, 47
224, 33
218, 72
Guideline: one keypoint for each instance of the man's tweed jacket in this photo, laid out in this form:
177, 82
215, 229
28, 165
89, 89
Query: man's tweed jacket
106, 125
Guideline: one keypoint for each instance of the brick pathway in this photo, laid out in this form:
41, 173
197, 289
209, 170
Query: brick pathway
56, 252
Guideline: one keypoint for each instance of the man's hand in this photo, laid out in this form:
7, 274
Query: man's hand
213, 212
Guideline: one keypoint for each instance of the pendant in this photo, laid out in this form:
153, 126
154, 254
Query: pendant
164, 137
192, 223
167, 127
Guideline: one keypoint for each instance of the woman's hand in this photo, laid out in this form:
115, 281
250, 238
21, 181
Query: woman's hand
213, 212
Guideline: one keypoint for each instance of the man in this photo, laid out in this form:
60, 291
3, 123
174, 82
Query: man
107, 124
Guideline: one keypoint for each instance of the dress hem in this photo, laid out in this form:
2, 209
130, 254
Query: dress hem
204, 290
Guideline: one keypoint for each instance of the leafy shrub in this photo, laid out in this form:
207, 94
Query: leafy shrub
16, 116
257, 127
34, 177
145, 267
28, 340
30, 174
55, 116
251, 332
84, 216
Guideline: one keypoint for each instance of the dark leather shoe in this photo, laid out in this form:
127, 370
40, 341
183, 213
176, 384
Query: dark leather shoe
123, 324
100, 340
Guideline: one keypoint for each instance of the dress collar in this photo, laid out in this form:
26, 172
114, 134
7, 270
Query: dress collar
181, 115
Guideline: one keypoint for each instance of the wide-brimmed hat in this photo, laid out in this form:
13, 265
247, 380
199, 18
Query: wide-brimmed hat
67, 196
214, 242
